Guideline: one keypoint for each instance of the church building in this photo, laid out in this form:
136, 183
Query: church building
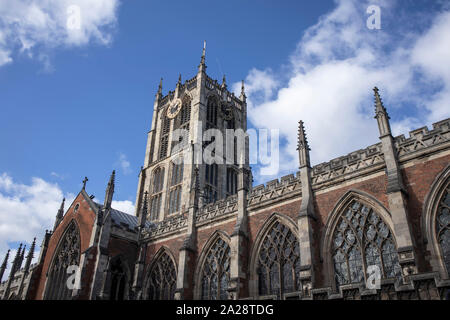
373, 224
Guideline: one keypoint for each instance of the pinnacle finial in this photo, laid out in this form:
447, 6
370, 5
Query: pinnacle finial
30, 255
243, 96
302, 140
59, 214
179, 79
61, 208
303, 147
202, 66
379, 107
144, 210
110, 191
160, 87
5, 261
224, 80
381, 115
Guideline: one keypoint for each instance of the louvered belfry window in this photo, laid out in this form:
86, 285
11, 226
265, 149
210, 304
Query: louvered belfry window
164, 140
158, 184
211, 113
175, 188
362, 239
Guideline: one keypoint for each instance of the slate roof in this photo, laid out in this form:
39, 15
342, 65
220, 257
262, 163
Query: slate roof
122, 219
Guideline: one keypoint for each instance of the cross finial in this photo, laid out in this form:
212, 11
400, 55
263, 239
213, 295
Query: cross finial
84, 182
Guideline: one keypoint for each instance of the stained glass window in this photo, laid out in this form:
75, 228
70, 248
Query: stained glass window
163, 279
67, 254
362, 239
216, 272
279, 262
443, 226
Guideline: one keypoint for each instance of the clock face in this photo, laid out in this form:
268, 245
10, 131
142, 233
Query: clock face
174, 108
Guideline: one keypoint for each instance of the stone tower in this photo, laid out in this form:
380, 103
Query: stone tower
199, 124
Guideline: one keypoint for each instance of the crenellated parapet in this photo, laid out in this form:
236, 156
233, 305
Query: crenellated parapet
217, 210
423, 139
274, 190
372, 158
355, 162
169, 225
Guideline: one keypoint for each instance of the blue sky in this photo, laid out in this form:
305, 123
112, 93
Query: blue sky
96, 102
76, 105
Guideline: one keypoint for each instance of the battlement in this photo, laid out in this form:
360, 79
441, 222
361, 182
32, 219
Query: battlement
422, 138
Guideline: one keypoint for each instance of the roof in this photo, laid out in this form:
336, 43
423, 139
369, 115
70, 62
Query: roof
122, 219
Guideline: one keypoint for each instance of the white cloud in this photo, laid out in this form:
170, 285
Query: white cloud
124, 163
27, 210
32, 27
124, 206
336, 64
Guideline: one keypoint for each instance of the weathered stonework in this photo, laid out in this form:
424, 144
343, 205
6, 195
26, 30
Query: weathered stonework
401, 181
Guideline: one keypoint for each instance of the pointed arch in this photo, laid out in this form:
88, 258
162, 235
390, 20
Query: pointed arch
175, 187
212, 107
161, 279
156, 191
275, 258
117, 286
358, 233
67, 254
212, 274
436, 223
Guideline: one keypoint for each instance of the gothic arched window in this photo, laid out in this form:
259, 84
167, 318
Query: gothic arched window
119, 280
175, 188
185, 114
211, 173
215, 274
362, 239
231, 181
158, 183
164, 140
162, 279
67, 254
211, 113
279, 262
443, 226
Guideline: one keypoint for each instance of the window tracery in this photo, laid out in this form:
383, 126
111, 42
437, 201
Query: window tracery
363, 239
216, 272
162, 279
67, 254
279, 262
443, 226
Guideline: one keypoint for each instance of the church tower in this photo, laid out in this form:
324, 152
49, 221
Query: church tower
200, 124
